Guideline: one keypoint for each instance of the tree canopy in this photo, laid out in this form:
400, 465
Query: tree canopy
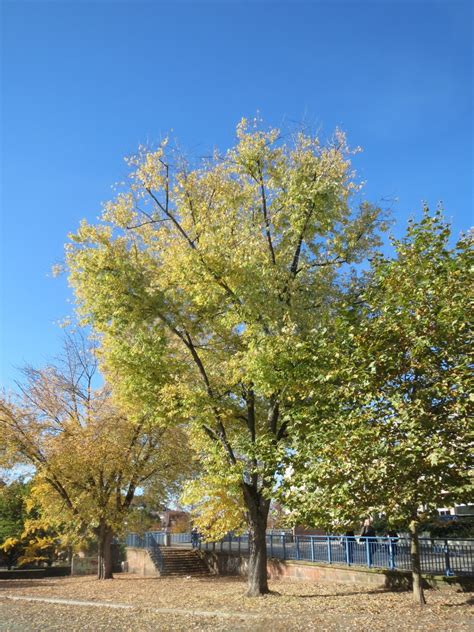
90, 457
213, 273
389, 431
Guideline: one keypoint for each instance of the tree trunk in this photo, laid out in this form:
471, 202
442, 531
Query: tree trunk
104, 567
418, 593
257, 516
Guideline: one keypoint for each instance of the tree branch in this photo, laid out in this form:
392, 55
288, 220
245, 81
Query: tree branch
265, 213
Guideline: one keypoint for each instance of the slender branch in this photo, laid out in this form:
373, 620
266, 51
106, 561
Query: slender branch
167, 186
299, 244
273, 413
151, 221
170, 215
321, 264
282, 432
250, 399
222, 433
192, 244
265, 213
210, 433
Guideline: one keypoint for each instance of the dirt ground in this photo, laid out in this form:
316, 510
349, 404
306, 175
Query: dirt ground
134, 603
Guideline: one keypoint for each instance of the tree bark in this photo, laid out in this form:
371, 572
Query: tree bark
257, 516
418, 593
104, 567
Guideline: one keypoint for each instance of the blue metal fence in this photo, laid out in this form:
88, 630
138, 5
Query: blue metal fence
180, 538
438, 557
148, 540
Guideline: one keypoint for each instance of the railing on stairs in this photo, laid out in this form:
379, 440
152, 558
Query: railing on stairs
157, 557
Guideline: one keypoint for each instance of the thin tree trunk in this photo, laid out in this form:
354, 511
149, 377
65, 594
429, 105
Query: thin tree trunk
418, 593
100, 553
104, 567
257, 516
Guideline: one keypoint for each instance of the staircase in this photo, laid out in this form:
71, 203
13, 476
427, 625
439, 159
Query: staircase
175, 562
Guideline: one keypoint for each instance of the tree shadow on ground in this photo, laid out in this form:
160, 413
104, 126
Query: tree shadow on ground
468, 602
380, 591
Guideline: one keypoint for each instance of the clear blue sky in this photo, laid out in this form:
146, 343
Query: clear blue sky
83, 83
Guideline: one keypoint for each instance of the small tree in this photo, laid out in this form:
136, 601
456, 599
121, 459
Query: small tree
25, 537
12, 519
220, 270
90, 457
388, 428
215, 498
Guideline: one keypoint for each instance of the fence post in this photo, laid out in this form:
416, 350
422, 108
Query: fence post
297, 538
271, 544
284, 546
329, 550
346, 545
312, 549
239, 539
447, 561
391, 553
367, 552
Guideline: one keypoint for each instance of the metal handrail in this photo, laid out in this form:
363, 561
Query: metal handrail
439, 556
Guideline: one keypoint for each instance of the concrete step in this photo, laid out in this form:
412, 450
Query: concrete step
184, 572
187, 564
189, 558
191, 573
182, 564
179, 562
178, 555
178, 567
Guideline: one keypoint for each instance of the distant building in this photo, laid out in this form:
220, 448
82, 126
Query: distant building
175, 520
463, 511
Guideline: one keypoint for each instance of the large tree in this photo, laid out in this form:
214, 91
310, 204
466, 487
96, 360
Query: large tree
386, 427
221, 268
90, 455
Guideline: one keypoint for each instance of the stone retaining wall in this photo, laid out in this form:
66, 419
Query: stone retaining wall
222, 563
84, 565
140, 562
